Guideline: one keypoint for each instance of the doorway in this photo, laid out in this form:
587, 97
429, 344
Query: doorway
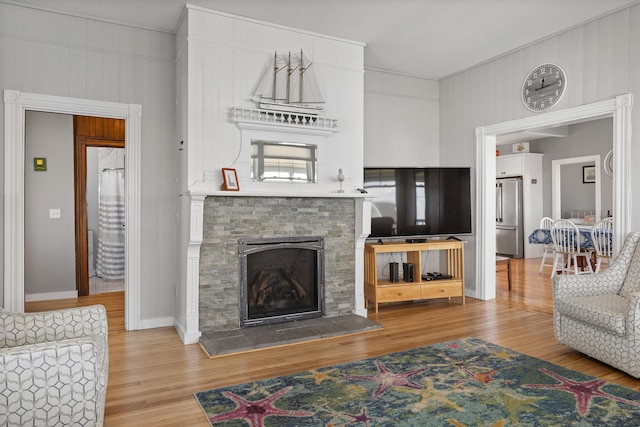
557, 206
16, 105
101, 234
619, 108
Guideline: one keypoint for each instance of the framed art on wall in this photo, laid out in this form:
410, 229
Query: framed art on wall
230, 180
588, 174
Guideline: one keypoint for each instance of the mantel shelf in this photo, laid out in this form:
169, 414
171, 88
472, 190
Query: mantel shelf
268, 120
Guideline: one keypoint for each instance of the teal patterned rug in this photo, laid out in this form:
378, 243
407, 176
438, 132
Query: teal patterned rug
467, 382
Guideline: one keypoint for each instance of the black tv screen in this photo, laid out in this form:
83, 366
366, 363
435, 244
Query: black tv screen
419, 201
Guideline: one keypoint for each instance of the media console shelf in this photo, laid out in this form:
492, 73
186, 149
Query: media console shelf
379, 291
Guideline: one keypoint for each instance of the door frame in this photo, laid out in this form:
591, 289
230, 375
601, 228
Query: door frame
16, 104
80, 189
618, 107
556, 184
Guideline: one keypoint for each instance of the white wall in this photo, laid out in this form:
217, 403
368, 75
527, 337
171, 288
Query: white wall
220, 67
601, 60
401, 121
56, 54
49, 258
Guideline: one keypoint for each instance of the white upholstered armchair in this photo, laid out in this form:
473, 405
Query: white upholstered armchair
53, 367
599, 314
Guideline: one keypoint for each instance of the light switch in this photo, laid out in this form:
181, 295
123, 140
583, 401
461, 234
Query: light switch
54, 213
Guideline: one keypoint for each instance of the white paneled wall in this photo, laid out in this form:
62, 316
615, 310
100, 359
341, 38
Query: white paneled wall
401, 121
56, 54
226, 57
601, 60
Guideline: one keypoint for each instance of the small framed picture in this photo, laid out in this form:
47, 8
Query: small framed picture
230, 180
588, 174
40, 164
521, 147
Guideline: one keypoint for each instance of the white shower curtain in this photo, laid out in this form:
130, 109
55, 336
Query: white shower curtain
110, 263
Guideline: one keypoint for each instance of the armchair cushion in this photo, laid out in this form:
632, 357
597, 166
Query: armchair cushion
608, 312
54, 367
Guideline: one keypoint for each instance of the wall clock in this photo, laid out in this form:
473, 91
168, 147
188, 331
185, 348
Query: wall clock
544, 87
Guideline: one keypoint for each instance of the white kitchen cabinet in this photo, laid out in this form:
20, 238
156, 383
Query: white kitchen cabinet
507, 166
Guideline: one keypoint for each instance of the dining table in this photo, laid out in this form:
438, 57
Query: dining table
542, 236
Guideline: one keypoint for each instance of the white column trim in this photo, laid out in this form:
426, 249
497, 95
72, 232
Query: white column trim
190, 331
16, 105
363, 229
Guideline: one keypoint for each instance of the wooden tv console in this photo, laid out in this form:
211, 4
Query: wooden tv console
379, 291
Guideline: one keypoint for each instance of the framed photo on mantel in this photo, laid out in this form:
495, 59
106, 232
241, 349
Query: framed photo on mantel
230, 178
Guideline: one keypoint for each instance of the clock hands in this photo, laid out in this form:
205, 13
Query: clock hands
543, 86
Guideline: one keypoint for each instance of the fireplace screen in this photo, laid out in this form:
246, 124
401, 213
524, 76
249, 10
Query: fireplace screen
282, 279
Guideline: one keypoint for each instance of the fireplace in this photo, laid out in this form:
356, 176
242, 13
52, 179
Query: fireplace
269, 217
281, 279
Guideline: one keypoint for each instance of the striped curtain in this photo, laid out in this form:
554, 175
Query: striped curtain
110, 263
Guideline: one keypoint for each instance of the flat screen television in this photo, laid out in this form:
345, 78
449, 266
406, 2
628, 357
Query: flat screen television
416, 202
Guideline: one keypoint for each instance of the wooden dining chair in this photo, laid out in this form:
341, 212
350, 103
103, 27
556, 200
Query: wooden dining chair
503, 263
601, 236
545, 224
566, 245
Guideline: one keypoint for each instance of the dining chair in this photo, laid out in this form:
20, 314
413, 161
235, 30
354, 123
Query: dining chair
503, 263
566, 245
601, 236
545, 224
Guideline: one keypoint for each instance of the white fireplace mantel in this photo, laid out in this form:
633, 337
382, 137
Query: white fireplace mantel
189, 331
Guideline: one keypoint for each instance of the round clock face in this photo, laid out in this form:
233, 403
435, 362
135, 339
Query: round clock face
544, 87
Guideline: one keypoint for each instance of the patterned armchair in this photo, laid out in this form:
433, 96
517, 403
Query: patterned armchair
599, 314
53, 367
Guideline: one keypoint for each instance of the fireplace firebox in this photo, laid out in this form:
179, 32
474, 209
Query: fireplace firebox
281, 280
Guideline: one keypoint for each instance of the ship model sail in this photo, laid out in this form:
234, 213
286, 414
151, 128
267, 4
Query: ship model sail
290, 86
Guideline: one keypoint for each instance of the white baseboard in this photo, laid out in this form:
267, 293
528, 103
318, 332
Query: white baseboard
50, 295
187, 338
158, 322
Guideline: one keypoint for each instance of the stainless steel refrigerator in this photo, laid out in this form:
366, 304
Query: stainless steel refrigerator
509, 230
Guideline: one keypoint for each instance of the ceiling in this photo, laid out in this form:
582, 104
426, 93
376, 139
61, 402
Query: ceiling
422, 38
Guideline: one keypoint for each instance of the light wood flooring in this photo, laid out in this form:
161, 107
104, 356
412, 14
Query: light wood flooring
152, 375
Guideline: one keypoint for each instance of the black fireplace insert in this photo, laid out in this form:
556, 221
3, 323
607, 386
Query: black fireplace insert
281, 280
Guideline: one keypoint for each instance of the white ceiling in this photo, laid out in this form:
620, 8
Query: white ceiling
423, 38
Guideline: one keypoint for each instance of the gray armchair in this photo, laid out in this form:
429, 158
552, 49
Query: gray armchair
599, 314
53, 367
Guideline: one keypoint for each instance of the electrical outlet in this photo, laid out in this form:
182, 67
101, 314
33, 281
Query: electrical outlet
54, 213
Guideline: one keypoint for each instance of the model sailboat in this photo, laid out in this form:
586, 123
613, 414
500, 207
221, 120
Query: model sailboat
290, 86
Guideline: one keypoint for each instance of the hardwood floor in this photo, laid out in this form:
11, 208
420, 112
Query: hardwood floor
152, 375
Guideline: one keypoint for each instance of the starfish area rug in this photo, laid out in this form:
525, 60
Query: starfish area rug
466, 382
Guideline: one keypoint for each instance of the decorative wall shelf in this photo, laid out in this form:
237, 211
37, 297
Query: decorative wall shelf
296, 122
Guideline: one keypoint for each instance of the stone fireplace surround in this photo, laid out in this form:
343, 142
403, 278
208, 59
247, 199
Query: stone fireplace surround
227, 218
